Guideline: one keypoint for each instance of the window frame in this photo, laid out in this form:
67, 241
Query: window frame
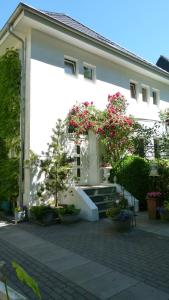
157, 97
136, 90
74, 63
146, 88
93, 68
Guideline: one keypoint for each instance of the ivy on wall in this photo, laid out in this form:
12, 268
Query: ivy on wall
10, 72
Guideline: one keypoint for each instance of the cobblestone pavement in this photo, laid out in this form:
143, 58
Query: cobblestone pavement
53, 286
138, 254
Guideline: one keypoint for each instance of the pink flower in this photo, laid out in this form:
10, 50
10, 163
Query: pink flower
118, 94
86, 103
154, 194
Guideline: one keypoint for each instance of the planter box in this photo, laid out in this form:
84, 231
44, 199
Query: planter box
152, 204
47, 219
66, 219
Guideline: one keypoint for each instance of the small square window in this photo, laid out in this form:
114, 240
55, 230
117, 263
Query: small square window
155, 98
78, 149
144, 94
133, 91
70, 66
156, 148
88, 72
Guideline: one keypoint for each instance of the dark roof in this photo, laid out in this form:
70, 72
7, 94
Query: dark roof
163, 63
78, 28
70, 22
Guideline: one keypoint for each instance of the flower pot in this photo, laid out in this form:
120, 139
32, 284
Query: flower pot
19, 216
152, 204
164, 214
122, 226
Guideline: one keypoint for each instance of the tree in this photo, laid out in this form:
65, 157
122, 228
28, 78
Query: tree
55, 166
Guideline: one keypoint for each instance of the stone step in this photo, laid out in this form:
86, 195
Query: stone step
104, 205
102, 213
102, 198
100, 191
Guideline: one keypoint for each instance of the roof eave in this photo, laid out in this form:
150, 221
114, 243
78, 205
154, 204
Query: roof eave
21, 7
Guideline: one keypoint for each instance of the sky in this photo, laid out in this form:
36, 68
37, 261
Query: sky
140, 26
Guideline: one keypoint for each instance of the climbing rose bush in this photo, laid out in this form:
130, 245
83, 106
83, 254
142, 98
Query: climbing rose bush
81, 118
111, 125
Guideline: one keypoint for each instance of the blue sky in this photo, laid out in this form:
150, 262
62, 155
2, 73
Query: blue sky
140, 26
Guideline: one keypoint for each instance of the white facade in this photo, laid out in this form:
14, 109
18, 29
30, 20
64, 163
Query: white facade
50, 92
53, 92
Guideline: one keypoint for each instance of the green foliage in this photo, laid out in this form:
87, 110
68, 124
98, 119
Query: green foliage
69, 210
39, 211
9, 169
25, 278
133, 173
163, 180
143, 139
10, 71
113, 212
112, 126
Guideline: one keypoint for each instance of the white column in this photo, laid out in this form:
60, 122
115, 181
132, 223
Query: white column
94, 171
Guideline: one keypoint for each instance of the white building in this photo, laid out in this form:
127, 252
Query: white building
59, 54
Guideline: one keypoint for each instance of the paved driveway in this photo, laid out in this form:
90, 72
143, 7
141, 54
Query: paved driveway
88, 261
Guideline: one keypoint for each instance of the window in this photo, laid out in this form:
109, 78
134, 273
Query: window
144, 94
78, 161
70, 66
88, 72
156, 148
133, 90
139, 146
155, 97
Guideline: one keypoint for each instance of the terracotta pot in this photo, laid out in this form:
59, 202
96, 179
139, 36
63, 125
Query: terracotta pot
152, 204
124, 225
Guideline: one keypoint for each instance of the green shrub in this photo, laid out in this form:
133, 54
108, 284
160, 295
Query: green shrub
38, 212
69, 210
133, 173
162, 181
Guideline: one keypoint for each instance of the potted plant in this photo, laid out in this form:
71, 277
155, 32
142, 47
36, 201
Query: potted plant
18, 214
43, 215
120, 215
153, 202
164, 210
69, 213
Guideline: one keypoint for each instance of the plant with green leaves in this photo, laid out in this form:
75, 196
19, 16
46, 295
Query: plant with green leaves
23, 277
54, 165
10, 75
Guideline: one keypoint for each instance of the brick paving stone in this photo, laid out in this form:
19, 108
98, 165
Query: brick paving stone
52, 285
138, 254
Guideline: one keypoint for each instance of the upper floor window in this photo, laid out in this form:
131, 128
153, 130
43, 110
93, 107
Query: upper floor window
144, 94
70, 66
88, 72
155, 97
133, 90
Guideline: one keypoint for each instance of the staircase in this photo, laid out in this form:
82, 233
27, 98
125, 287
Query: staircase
103, 197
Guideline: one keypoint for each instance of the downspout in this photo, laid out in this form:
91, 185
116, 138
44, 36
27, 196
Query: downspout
22, 115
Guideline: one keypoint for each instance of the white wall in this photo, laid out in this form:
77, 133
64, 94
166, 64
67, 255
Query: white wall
53, 92
75, 195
